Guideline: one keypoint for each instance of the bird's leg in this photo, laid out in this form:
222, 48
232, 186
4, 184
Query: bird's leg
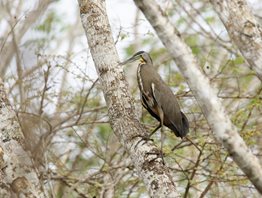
188, 139
161, 116
147, 137
143, 138
152, 133
155, 130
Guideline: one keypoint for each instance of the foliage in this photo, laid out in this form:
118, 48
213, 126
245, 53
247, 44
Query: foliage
68, 128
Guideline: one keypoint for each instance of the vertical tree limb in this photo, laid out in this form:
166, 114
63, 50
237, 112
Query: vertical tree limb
17, 174
224, 131
243, 29
126, 126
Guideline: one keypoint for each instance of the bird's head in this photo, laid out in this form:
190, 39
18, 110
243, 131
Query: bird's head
142, 56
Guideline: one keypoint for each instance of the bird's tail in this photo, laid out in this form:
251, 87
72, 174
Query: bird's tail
180, 128
185, 124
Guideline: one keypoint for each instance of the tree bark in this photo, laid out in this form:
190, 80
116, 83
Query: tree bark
243, 29
126, 126
17, 174
224, 131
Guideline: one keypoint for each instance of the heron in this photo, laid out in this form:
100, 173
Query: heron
158, 98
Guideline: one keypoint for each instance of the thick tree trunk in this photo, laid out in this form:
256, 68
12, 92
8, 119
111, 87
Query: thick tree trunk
126, 126
211, 106
17, 174
243, 30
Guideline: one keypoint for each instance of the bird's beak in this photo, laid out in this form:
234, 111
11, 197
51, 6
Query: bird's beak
130, 60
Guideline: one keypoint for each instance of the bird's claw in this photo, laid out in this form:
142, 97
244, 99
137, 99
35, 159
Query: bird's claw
143, 138
159, 154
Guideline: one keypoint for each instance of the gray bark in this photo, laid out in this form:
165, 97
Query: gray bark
224, 131
126, 126
17, 174
243, 29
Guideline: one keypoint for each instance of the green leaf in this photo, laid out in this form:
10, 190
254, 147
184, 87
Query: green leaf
210, 19
239, 60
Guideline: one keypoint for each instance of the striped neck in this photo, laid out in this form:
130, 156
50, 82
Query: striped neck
139, 77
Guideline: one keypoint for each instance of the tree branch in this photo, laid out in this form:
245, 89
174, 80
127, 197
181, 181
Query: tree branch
7, 51
243, 29
126, 126
224, 131
17, 175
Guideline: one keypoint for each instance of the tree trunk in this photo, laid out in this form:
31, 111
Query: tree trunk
243, 30
220, 123
17, 176
126, 126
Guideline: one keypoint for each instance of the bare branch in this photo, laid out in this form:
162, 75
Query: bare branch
7, 51
211, 106
243, 29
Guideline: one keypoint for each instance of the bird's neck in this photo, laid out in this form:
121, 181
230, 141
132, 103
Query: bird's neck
139, 77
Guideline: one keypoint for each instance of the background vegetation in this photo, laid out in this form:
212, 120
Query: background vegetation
53, 87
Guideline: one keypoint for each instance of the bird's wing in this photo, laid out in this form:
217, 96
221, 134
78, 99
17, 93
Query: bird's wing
156, 94
167, 101
173, 117
148, 108
149, 103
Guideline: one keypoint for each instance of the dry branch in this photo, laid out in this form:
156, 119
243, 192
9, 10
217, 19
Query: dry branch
220, 123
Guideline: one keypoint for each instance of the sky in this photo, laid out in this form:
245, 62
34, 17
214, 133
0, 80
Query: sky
121, 14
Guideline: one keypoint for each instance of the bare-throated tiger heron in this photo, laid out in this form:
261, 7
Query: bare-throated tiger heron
157, 97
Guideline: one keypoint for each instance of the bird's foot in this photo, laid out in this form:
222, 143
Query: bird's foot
159, 154
143, 138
